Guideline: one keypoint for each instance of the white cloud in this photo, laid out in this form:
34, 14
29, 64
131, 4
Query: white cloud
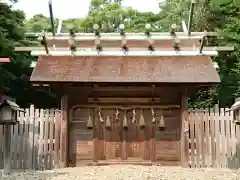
75, 8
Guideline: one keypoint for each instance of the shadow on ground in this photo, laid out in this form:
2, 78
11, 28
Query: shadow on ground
30, 175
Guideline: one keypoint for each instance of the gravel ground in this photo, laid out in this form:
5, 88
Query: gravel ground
127, 172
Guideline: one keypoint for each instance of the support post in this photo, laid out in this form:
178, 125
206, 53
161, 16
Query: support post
202, 44
51, 16
184, 129
95, 137
190, 17
124, 144
7, 150
64, 132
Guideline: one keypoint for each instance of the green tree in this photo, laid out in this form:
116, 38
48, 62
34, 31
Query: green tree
14, 76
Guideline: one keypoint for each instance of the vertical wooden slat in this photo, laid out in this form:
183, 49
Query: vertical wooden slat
26, 135
51, 138
1, 146
228, 125
237, 145
212, 131
41, 145
21, 141
217, 134
233, 139
36, 138
30, 120
15, 146
207, 143
202, 141
46, 138
57, 139
223, 139
192, 123
197, 140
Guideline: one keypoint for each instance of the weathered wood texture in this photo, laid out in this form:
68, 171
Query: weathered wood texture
64, 131
167, 95
35, 140
117, 142
214, 139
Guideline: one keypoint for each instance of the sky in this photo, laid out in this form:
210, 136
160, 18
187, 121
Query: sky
66, 9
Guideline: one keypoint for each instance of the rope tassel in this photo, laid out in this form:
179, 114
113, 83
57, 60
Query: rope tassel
153, 116
108, 122
117, 114
89, 122
161, 123
125, 123
141, 120
134, 116
100, 116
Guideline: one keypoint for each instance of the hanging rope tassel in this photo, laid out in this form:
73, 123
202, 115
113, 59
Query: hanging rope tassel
100, 116
134, 116
141, 120
108, 122
161, 123
89, 122
153, 116
117, 114
125, 123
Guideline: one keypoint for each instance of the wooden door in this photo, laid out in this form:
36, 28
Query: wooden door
134, 137
112, 134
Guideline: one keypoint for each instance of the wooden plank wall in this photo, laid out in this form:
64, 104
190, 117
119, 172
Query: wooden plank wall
214, 140
35, 140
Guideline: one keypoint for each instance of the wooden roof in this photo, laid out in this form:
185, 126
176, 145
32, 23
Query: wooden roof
168, 69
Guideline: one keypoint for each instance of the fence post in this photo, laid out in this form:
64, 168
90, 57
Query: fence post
7, 150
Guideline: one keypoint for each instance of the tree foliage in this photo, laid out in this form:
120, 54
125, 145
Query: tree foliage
14, 76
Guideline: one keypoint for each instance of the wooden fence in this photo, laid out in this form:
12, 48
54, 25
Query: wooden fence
214, 140
35, 140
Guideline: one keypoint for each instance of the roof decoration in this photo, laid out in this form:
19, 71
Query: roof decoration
170, 43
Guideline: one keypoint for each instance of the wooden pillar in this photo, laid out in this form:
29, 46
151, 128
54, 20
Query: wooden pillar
7, 150
152, 144
184, 129
95, 137
64, 132
124, 144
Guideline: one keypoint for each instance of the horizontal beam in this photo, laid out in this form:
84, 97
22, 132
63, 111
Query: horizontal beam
130, 53
118, 34
129, 100
128, 107
206, 48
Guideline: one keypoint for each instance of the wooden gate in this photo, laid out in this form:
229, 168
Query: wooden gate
135, 137
117, 135
111, 133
